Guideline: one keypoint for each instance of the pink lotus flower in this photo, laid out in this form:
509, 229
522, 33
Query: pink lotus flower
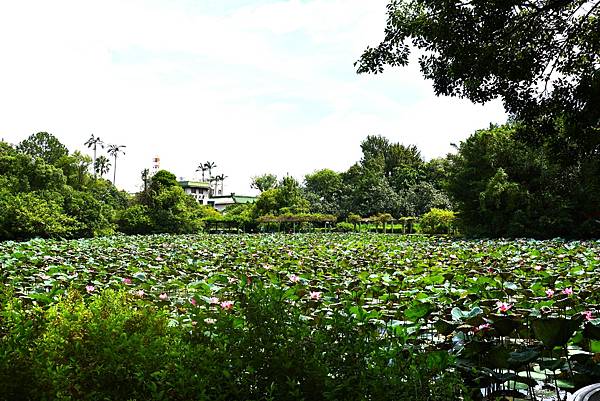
213, 300
89, 288
140, 293
227, 305
588, 315
568, 291
550, 292
127, 281
482, 327
315, 295
163, 296
193, 302
503, 306
294, 278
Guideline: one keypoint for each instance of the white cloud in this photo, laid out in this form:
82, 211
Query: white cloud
267, 87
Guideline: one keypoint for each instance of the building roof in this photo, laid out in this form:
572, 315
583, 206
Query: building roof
235, 198
244, 199
194, 184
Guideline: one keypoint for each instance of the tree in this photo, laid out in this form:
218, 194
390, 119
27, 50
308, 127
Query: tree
75, 168
201, 167
94, 142
162, 179
323, 182
502, 186
287, 197
436, 172
209, 166
214, 182
44, 146
145, 179
264, 182
34, 214
539, 56
323, 189
422, 197
267, 203
366, 191
164, 208
54, 200
101, 166
114, 151
392, 155
221, 178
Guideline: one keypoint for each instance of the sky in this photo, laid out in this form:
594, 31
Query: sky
255, 86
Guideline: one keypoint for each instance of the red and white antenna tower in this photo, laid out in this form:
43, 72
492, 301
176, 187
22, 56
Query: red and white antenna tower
155, 164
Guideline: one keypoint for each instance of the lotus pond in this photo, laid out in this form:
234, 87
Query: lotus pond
516, 318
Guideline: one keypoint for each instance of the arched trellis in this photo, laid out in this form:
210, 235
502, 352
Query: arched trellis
407, 223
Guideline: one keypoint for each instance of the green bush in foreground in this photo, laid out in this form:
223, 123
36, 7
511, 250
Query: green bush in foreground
118, 347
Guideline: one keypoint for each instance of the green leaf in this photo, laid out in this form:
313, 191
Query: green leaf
418, 310
554, 332
522, 358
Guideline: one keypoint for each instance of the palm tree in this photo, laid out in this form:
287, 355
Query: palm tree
202, 167
215, 181
114, 151
209, 166
221, 178
101, 165
94, 141
145, 178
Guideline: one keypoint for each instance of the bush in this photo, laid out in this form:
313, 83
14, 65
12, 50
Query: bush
114, 346
437, 221
135, 220
344, 227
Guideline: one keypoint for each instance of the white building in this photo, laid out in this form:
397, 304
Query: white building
201, 191
203, 194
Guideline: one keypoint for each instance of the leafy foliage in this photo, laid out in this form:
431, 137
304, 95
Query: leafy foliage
228, 316
163, 208
437, 221
502, 186
538, 56
44, 146
264, 182
48, 193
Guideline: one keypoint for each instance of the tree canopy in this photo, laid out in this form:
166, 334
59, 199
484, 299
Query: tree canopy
43, 145
539, 56
264, 182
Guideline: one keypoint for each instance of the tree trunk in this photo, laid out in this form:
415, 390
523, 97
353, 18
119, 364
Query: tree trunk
115, 172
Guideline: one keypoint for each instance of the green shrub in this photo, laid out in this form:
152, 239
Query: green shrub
135, 220
437, 221
118, 347
344, 227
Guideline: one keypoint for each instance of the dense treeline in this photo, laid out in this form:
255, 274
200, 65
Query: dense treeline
47, 192
390, 180
498, 184
539, 175
502, 185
